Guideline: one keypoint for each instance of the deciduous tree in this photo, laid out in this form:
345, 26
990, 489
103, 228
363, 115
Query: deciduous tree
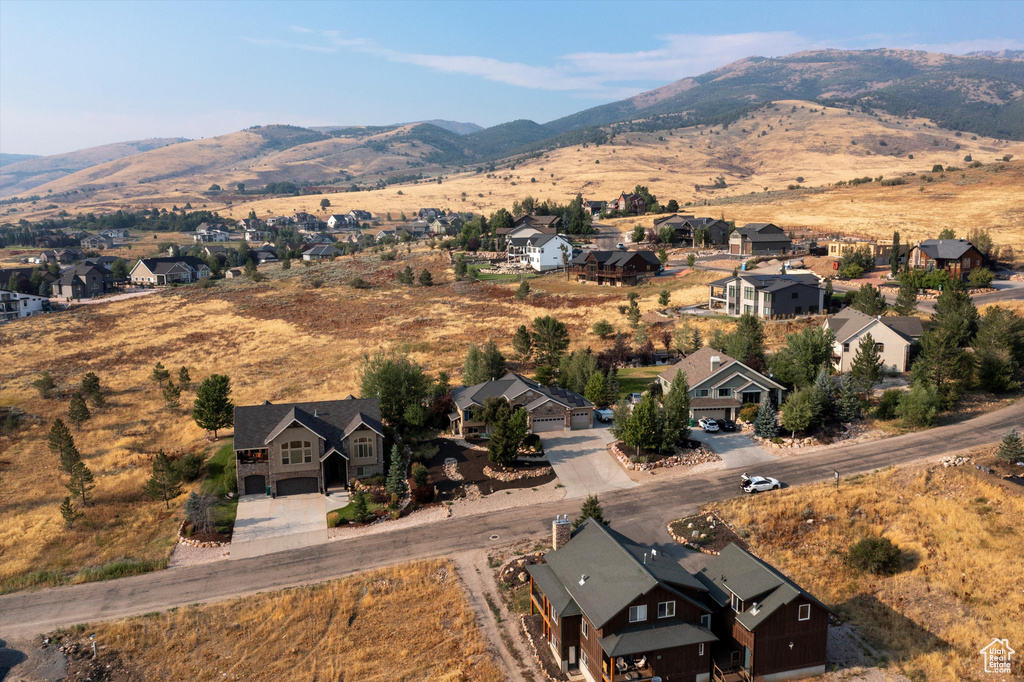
396, 380
675, 423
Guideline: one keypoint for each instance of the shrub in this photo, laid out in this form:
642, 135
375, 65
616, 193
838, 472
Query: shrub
919, 407
982, 277
1011, 449
376, 479
888, 403
420, 474
358, 283
748, 412
189, 467
875, 555
889, 182
937, 168
533, 442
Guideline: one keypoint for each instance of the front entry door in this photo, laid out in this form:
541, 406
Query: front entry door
335, 472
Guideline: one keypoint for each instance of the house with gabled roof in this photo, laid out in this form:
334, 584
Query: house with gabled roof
83, 281
958, 257
339, 220
550, 408
759, 238
614, 268
310, 447
769, 628
767, 296
894, 338
720, 385
169, 270
550, 222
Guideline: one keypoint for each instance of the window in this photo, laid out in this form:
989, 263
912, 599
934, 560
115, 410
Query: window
638, 614
554, 616
363, 448
748, 293
880, 347
583, 658
666, 609
846, 348
700, 649
748, 308
796, 294
584, 628
732, 291
736, 603
752, 397
296, 452
724, 392
799, 309
805, 612
701, 392
705, 620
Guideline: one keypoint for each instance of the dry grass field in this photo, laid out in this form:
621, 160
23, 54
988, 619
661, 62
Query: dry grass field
410, 622
301, 334
960, 584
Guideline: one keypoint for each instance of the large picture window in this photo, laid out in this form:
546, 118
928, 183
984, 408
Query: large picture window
363, 448
296, 452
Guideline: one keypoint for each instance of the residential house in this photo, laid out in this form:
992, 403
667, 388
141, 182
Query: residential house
249, 224
416, 229
257, 235
550, 222
628, 203
279, 220
83, 281
233, 273
678, 223
321, 252
264, 254
615, 610
894, 338
879, 250
686, 227
767, 296
548, 252
448, 225
381, 235
359, 217
505, 236
594, 208
168, 270
215, 251
318, 238
116, 233
312, 447
429, 213
769, 628
64, 256
43, 257
14, 305
24, 277
211, 232
958, 257
97, 241
759, 238
615, 268
720, 385
103, 261
550, 408
339, 220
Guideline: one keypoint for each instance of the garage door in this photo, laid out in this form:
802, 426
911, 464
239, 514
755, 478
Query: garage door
297, 486
583, 421
716, 413
541, 424
255, 485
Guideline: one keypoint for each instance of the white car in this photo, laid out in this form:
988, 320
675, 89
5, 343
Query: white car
635, 398
620, 246
758, 484
709, 425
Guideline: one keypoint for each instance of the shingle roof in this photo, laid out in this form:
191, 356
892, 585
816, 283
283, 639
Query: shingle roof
615, 572
554, 590
332, 420
163, 265
908, 327
652, 637
848, 321
757, 232
512, 385
542, 239
771, 282
71, 274
616, 258
739, 572
945, 249
697, 366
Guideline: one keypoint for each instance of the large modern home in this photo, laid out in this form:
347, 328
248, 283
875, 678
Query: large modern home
686, 227
893, 336
720, 385
956, 256
547, 252
14, 305
315, 447
550, 408
759, 238
83, 281
613, 610
169, 270
614, 268
767, 296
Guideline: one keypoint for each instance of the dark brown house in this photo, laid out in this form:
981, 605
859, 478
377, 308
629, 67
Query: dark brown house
755, 238
616, 611
958, 257
83, 281
615, 268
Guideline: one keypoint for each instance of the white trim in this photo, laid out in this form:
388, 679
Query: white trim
800, 612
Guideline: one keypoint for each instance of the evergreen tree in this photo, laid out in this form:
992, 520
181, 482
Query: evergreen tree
78, 411
766, 423
824, 393
894, 255
643, 428
81, 482
172, 395
163, 483
69, 513
633, 314
664, 297
591, 509
575, 370
473, 369
803, 356
955, 314
906, 300
943, 364
426, 279
675, 422
746, 342
523, 291
550, 340
870, 301
396, 484
522, 344
160, 375
184, 378
62, 444
213, 409
494, 361
866, 369
849, 404
461, 269
1011, 449
696, 343
595, 390
199, 511
603, 329
90, 384
360, 508
828, 294
611, 388
44, 384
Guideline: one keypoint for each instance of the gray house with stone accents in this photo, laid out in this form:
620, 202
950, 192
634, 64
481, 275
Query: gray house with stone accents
719, 385
550, 408
311, 447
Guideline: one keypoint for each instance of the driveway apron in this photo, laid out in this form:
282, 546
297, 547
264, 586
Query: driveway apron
736, 450
583, 464
264, 525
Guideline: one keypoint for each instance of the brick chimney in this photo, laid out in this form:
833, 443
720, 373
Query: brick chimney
561, 531
715, 363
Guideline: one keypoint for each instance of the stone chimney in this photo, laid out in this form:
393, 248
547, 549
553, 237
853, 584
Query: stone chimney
716, 362
561, 531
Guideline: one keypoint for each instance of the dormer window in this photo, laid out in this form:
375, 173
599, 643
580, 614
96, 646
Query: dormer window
638, 614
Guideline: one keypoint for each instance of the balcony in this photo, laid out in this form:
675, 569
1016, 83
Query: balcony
253, 456
630, 669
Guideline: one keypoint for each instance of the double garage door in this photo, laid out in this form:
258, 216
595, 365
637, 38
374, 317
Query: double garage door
541, 424
298, 486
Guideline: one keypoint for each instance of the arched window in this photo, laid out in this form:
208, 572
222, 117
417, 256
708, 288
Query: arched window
296, 452
363, 448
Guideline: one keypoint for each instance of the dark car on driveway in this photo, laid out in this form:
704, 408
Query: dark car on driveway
727, 425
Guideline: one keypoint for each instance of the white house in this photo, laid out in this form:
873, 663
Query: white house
14, 305
338, 220
548, 252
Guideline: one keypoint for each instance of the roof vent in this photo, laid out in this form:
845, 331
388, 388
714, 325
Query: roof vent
754, 609
583, 578
315, 413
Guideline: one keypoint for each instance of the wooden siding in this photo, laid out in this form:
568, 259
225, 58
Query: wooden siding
685, 611
772, 638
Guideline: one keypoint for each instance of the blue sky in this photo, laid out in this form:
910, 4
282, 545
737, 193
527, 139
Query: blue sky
79, 74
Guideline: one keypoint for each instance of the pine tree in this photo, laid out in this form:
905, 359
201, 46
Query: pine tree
184, 378
493, 361
460, 267
172, 395
664, 297
870, 301
90, 384
595, 392
696, 343
602, 329
522, 344
160, 375
405, 276
591, 509
78, 411
1011, 449
766, 423
199, 511
866, 370
396, 484
81, 483
360, 508
675, 420
906, 300
213, 408
894, 255
44, 384
849, 404
473, 369
426, 279
824, 393
163, 484
69, 513
63, 445
611, 388
523, 291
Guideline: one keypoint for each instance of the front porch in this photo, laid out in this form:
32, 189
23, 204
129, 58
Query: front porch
628, 669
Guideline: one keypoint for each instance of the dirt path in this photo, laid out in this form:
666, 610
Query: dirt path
501, 628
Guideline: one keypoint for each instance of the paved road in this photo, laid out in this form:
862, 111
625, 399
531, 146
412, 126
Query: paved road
644, 511
582, 463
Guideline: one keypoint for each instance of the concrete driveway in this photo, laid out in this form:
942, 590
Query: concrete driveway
264, 524
736, 450
582, 462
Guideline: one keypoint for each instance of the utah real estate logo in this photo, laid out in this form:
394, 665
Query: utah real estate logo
997, 655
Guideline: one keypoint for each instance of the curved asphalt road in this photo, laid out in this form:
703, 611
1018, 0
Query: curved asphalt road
645, 510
